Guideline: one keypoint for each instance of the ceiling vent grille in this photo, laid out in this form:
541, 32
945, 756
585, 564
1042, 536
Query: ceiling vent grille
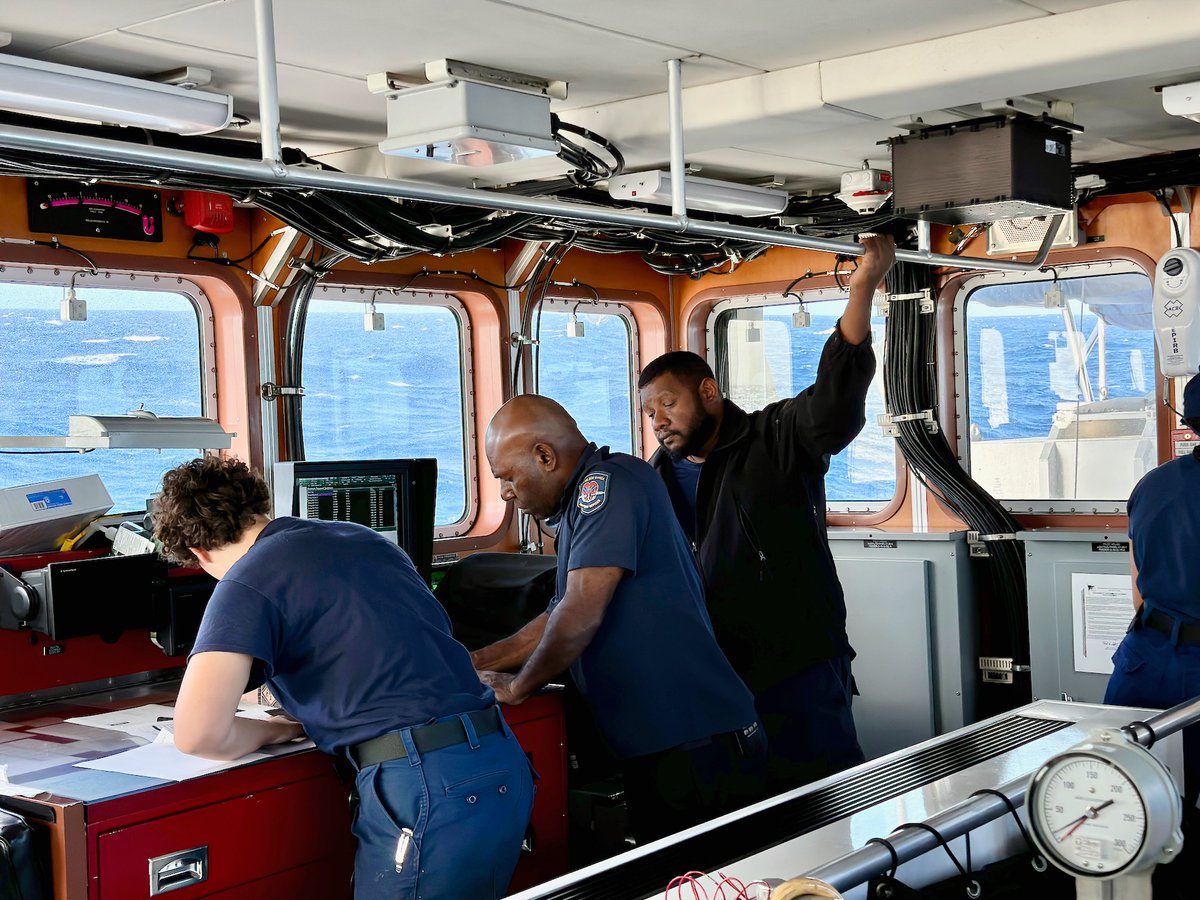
1006, 236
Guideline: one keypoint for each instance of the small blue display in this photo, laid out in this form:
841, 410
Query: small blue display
48, 499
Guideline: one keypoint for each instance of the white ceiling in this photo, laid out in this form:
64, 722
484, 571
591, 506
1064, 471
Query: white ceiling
802, 89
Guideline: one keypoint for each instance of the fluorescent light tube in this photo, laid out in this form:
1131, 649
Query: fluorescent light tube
50, 89
699, 193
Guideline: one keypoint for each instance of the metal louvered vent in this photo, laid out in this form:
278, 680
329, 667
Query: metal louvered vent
720, 846
1025, 235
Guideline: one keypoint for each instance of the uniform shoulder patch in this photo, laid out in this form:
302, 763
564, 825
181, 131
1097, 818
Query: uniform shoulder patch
593, 493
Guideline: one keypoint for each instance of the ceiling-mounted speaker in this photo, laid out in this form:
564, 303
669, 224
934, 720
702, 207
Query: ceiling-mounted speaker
1008, 236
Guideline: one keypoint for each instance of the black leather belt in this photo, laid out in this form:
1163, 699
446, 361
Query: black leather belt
427, 738
1160, 621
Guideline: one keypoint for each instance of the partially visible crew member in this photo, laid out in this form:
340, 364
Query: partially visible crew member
749, 490
1158, 662
628, 620
336, 620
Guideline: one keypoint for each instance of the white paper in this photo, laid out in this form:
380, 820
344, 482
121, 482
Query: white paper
161, 759
1101, 607
141, 721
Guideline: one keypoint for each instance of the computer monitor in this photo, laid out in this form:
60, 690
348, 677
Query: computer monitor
395, 497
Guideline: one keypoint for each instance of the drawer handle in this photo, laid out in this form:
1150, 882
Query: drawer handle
178, 870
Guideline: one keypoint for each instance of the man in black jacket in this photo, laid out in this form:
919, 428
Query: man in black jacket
749, 490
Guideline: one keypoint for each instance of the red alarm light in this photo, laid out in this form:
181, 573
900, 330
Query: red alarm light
205, 211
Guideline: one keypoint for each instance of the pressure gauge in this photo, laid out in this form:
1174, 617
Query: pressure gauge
1105, 808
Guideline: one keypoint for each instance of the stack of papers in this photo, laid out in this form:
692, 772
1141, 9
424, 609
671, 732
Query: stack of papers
159, 758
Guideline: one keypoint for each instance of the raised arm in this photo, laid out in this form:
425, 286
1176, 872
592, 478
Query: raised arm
569, 629
873, 265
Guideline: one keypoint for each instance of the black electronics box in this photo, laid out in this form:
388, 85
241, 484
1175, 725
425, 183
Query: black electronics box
178, 620
105, 596
1000, 167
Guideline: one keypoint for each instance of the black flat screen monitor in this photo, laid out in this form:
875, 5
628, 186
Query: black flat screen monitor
395, 497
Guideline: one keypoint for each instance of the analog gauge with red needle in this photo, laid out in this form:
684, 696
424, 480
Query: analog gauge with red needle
1104, 808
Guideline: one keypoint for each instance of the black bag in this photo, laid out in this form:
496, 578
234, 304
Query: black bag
21, 865
489, 596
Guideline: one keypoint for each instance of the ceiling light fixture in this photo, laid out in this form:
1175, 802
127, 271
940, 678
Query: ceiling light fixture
700, 193
50, 89
1182, 100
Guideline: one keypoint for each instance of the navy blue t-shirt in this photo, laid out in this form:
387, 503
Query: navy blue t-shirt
353, 642
653, 674
687, 480
1164, 528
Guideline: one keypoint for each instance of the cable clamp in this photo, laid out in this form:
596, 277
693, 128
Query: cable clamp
996, 669
517, 340
890, 422
271, 391
924, 297
977, 543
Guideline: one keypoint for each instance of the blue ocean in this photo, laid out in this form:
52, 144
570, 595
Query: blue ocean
397, 392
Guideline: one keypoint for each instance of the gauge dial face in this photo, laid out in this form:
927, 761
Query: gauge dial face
1090, 815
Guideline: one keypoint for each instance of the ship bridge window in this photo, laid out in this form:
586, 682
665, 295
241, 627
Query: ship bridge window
587, 357
765, 350
140, 346
397, 392
1059, 383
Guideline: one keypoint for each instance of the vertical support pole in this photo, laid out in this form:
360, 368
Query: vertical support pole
924, 236
268, 82
675, 112
268, 411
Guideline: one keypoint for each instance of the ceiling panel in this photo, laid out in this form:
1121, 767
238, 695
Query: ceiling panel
41, 25
772, 34
371, 36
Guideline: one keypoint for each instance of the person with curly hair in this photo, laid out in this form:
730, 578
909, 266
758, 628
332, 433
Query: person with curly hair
337, 622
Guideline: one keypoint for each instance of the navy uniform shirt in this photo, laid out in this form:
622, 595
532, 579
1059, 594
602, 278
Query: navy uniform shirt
353, 642
1164, 528
653, 674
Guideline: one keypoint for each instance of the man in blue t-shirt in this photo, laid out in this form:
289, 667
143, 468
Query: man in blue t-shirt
338, 624
628, 620
1158, 662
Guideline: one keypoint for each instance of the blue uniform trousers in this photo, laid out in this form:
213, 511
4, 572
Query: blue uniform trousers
809, 725
1152, 669
468, 806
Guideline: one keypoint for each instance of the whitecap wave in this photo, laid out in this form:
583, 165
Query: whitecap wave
54, 322
826, 332
96, 341
400, 384
143, 338
95, 359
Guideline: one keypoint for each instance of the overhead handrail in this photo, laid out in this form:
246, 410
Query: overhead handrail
272, 172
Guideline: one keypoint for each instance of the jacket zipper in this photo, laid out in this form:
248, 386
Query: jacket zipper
748, 530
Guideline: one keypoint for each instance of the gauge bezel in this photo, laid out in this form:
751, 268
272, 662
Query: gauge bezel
1039, 784
1155, 789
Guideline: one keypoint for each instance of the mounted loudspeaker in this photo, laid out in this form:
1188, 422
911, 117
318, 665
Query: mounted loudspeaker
1008, 236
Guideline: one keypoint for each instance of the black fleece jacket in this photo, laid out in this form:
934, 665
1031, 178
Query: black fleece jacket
760, 537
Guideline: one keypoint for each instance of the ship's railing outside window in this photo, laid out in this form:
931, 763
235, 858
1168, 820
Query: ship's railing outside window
141, 346
1059, 386
762, 351
400, 392
592, 375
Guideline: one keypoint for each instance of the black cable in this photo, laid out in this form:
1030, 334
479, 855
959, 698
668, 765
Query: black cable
56, 244
910, 387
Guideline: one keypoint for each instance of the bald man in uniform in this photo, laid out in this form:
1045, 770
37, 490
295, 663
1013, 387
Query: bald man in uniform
628, 620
